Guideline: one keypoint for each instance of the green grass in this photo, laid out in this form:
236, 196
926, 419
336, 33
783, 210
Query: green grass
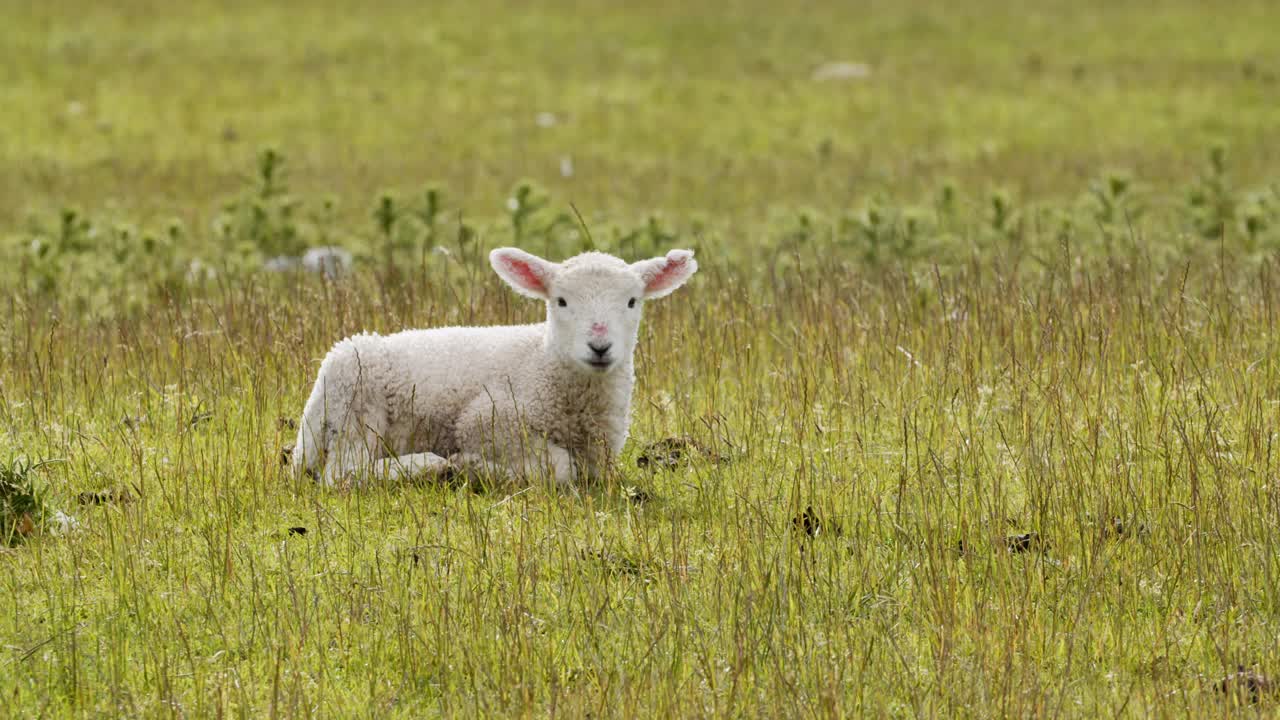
915, 413
879, 346
666, 105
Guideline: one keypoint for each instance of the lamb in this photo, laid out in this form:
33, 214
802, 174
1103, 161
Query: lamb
510, 401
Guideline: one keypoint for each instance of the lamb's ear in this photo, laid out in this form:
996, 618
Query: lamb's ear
663, 275
530, 275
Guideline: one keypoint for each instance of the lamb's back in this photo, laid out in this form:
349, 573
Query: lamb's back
445, 368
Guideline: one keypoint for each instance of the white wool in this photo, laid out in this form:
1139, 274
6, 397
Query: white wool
518, 400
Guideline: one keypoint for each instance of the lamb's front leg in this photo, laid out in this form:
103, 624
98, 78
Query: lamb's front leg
496, 440
361, 458
415, 465
360, 467
522, 461
597, 462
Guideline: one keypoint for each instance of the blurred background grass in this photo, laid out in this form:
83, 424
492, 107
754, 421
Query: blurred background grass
156, 108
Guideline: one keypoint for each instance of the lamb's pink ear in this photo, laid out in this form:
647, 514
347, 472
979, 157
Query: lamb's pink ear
530, 275
663, 275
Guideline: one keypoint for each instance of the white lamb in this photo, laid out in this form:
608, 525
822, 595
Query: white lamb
513, 401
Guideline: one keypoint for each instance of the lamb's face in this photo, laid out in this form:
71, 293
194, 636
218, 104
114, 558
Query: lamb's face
593, 316
593, 300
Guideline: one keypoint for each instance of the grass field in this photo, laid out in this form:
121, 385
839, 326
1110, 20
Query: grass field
981, 361
681, 106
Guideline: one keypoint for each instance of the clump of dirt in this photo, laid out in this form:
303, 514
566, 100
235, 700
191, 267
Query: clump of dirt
1248, 685
673, 452
810, 524
1026, 542
637, 495
106, 497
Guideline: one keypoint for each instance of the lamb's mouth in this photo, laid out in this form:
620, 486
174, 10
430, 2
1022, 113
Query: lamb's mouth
599, 364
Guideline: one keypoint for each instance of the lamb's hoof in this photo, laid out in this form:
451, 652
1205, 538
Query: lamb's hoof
451, 474
459, 474
425, 470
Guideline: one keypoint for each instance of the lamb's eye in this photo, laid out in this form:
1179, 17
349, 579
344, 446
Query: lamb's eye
631, 303
561, 302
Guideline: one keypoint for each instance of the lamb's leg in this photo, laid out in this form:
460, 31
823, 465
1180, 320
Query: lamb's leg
355, 450
345, 416
311, 445
522, 462
557, 461
496, 442
350, 460
404, 467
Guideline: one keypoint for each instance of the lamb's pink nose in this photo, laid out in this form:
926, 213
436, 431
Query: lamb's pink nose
599, 328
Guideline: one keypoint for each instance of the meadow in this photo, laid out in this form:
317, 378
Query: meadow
969, 412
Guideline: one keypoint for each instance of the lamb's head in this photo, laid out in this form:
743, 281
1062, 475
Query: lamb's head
593, 299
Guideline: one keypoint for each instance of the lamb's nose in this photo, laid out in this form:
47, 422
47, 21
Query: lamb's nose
599, 348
